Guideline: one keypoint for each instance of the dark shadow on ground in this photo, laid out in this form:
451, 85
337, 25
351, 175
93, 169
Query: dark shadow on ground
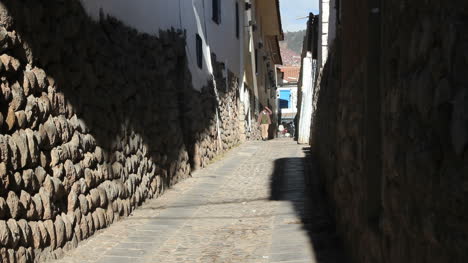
296, 180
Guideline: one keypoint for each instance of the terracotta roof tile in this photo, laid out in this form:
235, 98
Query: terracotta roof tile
291, 74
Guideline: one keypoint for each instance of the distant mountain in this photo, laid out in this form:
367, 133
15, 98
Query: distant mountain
291, 48
293, 40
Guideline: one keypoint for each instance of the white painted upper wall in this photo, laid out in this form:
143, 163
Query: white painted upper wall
327, 29
194, 16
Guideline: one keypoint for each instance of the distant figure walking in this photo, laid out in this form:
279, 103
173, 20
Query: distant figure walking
264, 121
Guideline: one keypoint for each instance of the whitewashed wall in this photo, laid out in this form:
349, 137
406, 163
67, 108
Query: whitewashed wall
194, 16
308, 78
327, 29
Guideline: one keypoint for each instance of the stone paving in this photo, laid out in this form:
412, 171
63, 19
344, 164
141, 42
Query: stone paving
250, 206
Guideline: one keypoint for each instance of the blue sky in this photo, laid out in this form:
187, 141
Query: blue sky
293, 9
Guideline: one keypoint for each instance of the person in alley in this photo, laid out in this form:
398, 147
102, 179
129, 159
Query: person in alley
264, 121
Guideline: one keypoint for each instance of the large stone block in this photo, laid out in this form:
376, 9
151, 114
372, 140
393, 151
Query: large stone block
37, 240
14, 205
29, 205
15, 233
41, 78
50, 228
25, 233
10, 64
44, 234
60, 231
5, 236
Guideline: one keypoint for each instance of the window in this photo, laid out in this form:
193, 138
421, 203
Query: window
216, 5
237, 21
199, 47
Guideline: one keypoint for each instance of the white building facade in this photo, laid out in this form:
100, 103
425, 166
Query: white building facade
218, 23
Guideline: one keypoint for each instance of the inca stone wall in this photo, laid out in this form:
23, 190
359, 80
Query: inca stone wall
95, 118
407, 204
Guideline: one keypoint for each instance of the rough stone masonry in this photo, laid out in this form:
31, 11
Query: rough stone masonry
399, 190
95, 118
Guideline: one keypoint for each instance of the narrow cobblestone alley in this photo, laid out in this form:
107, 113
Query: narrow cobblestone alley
233, 211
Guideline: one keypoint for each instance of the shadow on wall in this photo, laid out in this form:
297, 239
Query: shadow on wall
409, 206
296, 180
95, 118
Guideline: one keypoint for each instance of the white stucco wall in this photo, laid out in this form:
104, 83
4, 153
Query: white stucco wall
194, 16
327, 29
323, 31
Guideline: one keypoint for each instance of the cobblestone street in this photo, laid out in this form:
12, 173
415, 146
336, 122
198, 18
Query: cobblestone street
246, 207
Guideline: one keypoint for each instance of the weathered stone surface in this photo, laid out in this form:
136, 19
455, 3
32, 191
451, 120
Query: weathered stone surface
44, 159
50, 227
29, 181
44, 106
90, 222
101, 214
414, 116
29, 205
11, 255
11, 64
5, 237
68, 227
37, 239
37, 199
21, 119
99, 154
89, 178
44, 234
40, 175
33, 146
29, 82
71, 144
10, 119
46, 204
21, 256
102, 197
59, 190
84, 229
60, 231
4, 210
95, 220
19, 100
48, 187
21, 141
5, 19
74, 148
41, 78
83, 204
3, 254
49, 133
15, 233
4, 152
13, 202
73, 201
25, 233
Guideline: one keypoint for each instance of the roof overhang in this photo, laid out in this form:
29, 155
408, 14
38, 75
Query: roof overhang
274, 49
271, 14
